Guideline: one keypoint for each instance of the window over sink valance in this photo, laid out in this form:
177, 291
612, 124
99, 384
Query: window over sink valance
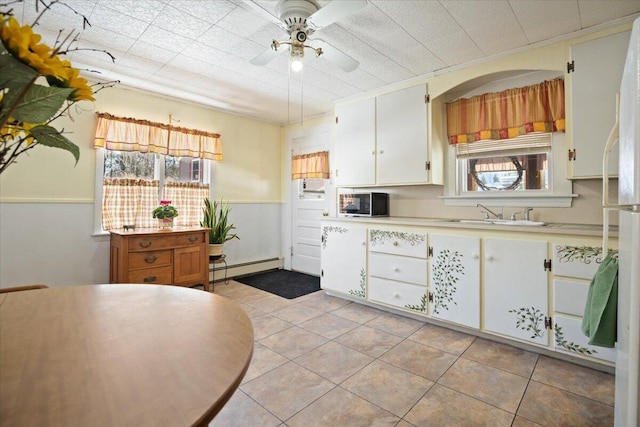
127, 134
313, 165
507, 114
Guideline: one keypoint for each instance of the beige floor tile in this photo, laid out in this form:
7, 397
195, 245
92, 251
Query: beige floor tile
391, 388
445, 407
551, 407
242, 411
357, 312
419, 359
586, 382
264, 360
369, 341
266, 325
490, 385
334, 361
329, 326
222, 288
342, 408
502, 356
322, 301
247, 294
523, 422
395, 324
293, 342
271, 303
251, 311
442, 338
296, 313
287, 389
403, 423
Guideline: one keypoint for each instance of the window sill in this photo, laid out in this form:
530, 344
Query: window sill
540, 201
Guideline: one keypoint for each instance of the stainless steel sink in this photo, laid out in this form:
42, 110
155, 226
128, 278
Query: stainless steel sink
515, 223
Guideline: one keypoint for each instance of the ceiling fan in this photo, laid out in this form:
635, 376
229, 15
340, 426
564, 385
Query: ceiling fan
300, 19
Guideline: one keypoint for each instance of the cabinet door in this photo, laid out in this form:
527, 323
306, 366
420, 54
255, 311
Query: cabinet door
516, 289
594, 84
401, 119
190, 264
343, 258
579, 261
455, 279
356, 143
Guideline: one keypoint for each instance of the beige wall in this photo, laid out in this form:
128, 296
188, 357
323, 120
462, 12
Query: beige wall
249, 171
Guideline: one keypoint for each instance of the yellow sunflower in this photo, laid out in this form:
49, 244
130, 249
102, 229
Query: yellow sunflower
25, 45
72, 79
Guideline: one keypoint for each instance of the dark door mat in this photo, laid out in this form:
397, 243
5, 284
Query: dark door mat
284, 283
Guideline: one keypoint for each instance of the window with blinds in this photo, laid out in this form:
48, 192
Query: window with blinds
517, 164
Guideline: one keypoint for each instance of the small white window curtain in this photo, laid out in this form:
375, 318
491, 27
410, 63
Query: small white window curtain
187, 198
127, 134
313, 165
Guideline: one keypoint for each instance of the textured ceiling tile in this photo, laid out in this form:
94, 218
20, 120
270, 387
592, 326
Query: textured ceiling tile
545, 20
154, 53
490, 23
225, 41
133, 61
97, 35
143, 10
245, 23
162, 38
112, 20
597, 12
207, 10
190, 26
455, 48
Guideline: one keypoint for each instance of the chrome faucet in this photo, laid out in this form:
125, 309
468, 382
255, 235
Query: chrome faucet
488, 211
526, 213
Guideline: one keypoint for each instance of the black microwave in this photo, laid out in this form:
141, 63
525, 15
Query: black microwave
363, 204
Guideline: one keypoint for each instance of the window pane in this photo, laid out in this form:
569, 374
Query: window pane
183, 169
508, 173
129, 164
311, 188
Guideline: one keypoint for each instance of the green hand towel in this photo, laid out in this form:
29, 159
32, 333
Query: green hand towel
600, 314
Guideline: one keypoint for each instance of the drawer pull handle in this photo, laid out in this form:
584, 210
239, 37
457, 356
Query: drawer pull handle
395, 243
150, 259
150, 279
396, 295
490, 258
193, 239
475, 256
145, 243
396, 269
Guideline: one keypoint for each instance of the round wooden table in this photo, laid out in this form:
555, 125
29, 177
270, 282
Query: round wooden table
119, 355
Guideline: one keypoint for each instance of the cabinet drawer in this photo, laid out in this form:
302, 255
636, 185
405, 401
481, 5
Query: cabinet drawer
139, 260
578, 261
157, 276
569, 297
403, 269
398, 243
395, 293
150, 243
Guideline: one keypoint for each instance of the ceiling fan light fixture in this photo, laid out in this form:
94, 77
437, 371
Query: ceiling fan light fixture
296, 63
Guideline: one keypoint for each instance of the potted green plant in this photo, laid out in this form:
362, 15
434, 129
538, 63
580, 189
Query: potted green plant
165, 214
216, 218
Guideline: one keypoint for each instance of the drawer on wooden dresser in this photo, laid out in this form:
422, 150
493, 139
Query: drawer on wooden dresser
150, 243
156, 276
149, 259
398, 243
404, 269
395, 293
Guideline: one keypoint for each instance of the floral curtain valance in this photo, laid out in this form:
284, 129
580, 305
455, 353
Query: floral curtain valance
127, 134
507, 114
313, 165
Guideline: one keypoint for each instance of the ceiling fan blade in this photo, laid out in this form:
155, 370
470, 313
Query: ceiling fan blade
268, 55
264, 13
338, 57
333, 12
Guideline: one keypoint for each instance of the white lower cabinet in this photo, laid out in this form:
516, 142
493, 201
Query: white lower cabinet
344, 258
516, 289
573, 267
454, 289
398, 294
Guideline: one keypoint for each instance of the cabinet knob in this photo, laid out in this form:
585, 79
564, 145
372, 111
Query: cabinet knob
396, 269
145, 243
475, 255
395, 243
373, 152
150, 259
363, 243
489, 257
381, 151
396, 295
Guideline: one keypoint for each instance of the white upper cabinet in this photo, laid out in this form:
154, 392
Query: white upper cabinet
402, 154
384, 141
356, 143
595, 80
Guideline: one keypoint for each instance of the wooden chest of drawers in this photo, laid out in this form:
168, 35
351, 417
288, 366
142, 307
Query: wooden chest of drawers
175, 257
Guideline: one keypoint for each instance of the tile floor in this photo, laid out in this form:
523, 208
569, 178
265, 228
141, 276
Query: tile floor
324, 361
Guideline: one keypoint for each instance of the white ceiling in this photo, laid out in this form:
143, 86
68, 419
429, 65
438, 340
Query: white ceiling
199, 50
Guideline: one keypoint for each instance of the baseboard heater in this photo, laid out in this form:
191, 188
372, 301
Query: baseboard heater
218, 271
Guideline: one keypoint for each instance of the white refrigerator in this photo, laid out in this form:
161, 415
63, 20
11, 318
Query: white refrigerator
627, 412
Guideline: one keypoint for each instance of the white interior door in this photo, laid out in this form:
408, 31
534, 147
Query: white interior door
309, 199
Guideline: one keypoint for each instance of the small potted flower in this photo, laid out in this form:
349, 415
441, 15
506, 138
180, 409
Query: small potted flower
165, 214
